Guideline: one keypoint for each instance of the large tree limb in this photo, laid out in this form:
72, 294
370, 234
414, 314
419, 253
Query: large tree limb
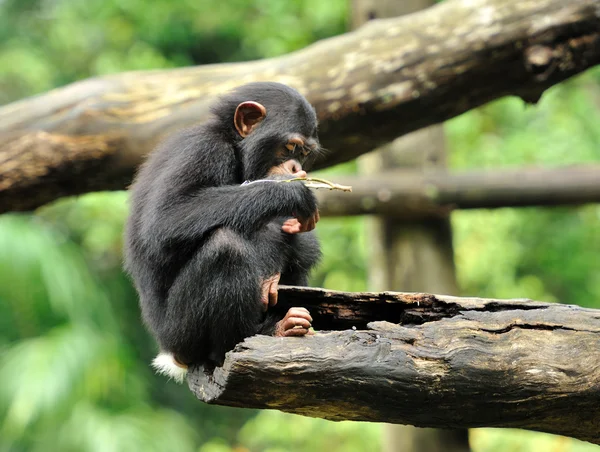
369, 86
425, 360
435, 193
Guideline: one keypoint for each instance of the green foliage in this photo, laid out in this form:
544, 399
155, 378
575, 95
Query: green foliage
67, 376
497, 440
44, 44
279, 431
545, 254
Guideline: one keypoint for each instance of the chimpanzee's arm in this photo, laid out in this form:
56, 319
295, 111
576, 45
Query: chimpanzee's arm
243, 209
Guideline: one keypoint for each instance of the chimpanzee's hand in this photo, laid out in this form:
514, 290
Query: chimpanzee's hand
297, 322
307, 214
296, 225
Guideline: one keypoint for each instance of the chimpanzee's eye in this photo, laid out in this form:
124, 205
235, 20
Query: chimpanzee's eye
281, 155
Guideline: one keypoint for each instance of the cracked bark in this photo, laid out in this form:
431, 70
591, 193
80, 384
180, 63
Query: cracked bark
425, 360
370, 86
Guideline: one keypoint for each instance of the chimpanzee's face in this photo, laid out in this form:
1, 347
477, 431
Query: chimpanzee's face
278, 128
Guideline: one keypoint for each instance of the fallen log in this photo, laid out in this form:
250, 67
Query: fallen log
422, 359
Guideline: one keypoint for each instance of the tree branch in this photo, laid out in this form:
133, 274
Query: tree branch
435, 193
386, 79
425, 360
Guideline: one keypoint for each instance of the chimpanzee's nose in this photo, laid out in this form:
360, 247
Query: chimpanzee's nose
294, 168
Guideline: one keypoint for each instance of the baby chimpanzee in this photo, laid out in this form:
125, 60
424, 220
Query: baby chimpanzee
206, 253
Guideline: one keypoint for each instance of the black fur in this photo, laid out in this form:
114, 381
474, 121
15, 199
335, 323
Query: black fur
198, 245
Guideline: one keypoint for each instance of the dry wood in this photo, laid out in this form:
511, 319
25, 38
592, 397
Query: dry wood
388, 78
426, 360
435, 193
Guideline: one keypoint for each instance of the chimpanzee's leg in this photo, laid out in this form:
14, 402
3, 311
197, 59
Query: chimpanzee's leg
215, 300
301, 253
303, 256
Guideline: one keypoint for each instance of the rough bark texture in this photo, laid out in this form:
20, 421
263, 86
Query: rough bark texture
425, 360
388, 78
435, 193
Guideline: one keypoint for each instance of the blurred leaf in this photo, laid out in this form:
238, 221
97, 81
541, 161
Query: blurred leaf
498, 440
273, 431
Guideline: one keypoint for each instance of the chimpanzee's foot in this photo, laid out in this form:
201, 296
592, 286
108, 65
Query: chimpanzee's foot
269, 289
297, 322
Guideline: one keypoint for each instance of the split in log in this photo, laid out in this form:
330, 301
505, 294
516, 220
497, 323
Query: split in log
425, 360
435, 193
370, 86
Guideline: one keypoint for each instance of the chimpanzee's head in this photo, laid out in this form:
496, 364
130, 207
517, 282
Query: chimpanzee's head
274, 127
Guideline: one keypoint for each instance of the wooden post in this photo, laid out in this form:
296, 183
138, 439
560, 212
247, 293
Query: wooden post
413, 256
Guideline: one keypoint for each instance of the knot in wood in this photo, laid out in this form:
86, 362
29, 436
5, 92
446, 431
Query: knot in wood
540, 61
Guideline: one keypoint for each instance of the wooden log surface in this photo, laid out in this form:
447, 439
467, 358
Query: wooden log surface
386, 79
422, 359
435, 193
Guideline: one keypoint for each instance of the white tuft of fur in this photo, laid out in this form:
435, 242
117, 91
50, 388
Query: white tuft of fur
164, 364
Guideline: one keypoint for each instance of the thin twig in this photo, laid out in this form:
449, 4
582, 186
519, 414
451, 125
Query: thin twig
310, 182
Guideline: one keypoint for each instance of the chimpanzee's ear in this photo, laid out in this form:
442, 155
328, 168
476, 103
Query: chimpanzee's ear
247, 116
